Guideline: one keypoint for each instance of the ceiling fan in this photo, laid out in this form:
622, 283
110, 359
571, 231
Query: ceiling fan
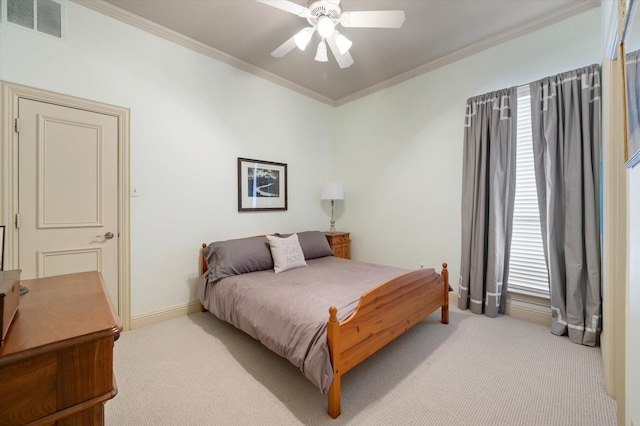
324, 16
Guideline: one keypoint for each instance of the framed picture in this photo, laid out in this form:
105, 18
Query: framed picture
1, 247
630, 51
262, 185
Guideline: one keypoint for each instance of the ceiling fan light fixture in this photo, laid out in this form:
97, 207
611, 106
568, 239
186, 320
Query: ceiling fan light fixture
325, 16
321, 53
343, 43
303, 37
325, 26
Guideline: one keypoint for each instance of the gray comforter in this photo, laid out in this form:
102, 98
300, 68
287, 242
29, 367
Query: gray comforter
288, 312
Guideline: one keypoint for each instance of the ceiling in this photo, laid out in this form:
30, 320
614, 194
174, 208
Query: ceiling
243, 33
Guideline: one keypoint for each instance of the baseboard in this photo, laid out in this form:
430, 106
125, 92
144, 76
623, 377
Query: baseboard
534, 312
530, 312
515, 308
164, 314
453, 298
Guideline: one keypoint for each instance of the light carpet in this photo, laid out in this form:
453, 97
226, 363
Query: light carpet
197, 370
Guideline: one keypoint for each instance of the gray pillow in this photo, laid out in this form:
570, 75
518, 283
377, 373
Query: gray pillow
314, 244
235, 257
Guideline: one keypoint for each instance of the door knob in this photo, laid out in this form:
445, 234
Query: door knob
108, 235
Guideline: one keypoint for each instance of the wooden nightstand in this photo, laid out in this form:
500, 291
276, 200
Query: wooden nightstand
340, 243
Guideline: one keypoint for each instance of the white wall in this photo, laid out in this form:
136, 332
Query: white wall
191, 117
399, 151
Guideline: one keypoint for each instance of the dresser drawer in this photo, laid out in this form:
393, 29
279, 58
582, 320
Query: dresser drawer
337, 237
340, 239
342, 251
28, 390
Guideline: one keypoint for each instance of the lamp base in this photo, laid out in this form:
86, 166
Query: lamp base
332, 228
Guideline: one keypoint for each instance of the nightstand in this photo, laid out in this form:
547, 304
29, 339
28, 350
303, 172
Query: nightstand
340, 243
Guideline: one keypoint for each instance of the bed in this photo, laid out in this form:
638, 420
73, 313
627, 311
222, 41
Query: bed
324, 314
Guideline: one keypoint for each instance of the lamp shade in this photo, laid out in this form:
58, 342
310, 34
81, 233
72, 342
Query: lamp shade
303, 37
332, 191
321, 54
343, 43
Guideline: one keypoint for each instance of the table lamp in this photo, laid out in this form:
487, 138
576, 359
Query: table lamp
332, 191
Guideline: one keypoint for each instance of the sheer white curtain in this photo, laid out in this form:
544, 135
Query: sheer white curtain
488, 190
566, 124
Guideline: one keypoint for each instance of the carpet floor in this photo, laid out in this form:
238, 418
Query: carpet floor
197, 370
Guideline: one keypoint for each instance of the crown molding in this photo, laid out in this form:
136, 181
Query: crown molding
136, 21
470, 50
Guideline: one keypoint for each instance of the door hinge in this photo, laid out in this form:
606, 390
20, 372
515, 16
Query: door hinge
17, 125
17, 220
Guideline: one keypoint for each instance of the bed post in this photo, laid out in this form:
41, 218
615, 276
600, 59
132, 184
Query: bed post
445, 306
333, 332
203, 269
203, 262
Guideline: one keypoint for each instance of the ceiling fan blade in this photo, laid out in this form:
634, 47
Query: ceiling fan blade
284, 48
344, 60
373, 19
288, 6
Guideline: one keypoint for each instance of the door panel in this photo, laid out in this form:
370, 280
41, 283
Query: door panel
68, 192
69, 189
58, 262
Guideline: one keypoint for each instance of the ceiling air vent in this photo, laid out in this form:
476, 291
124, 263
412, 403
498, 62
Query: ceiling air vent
44, 16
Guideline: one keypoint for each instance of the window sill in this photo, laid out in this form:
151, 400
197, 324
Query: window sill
529, 296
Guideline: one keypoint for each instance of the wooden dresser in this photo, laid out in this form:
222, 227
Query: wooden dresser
56, 362
340, 243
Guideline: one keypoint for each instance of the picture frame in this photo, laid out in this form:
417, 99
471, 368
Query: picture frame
1, 247
262, 185
630, 52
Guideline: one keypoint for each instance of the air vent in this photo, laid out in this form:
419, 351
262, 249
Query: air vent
21, 12
50, 17
44, 16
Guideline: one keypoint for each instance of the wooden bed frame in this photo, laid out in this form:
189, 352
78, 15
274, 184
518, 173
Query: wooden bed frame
383, 313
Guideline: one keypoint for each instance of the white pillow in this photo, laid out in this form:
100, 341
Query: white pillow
286, 252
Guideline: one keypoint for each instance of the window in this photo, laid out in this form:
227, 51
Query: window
527, 268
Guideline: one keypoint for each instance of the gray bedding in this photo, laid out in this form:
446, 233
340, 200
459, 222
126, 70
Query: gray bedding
288, 312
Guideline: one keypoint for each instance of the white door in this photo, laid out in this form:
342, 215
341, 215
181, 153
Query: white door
68, 192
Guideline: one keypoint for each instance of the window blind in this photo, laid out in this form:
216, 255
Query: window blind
527, 267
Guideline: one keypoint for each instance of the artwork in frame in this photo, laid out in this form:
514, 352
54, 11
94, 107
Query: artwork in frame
262, 185
630, 50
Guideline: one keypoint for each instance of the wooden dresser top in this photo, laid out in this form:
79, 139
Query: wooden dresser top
59, 311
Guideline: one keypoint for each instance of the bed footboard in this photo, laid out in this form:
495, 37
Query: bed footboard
383, 313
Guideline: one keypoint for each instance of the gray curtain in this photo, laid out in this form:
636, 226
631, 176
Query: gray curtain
488, 190
566, 123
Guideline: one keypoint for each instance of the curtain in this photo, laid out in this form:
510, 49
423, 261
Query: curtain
488, 190
566, 122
